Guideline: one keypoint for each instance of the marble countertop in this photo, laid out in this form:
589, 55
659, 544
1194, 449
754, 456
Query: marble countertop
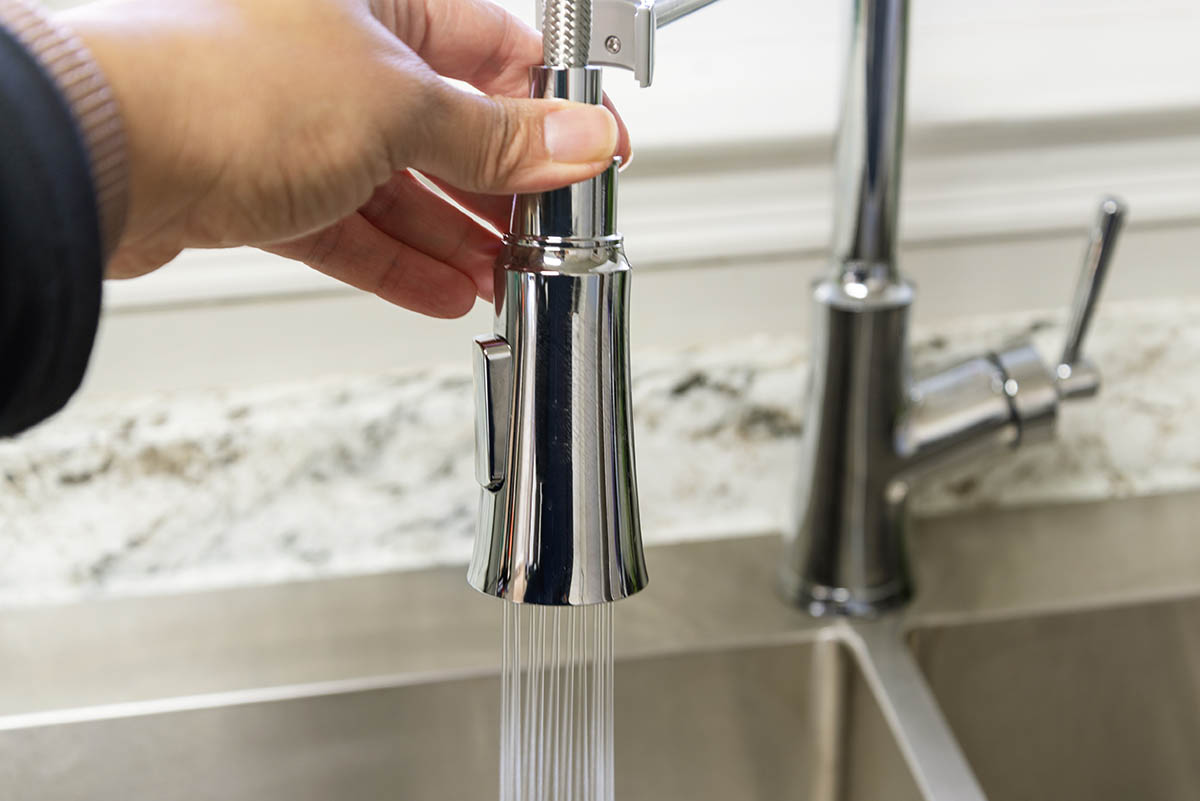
362, 474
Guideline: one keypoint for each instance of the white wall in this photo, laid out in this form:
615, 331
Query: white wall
1021, 114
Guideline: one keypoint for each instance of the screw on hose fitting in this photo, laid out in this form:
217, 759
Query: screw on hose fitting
567, 33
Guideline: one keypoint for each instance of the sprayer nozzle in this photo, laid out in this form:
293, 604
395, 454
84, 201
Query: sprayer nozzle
558, 519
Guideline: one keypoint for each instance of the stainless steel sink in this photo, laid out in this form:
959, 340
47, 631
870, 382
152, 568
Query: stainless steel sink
790, 721
1063, 648
784, 721
1100, 705
385, 687
1060, 645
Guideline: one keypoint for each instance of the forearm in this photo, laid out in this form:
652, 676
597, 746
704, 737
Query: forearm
62, 201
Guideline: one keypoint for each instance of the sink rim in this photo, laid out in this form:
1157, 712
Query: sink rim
705, 594
713, 595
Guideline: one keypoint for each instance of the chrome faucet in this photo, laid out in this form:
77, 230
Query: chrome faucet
872, 430
558, 513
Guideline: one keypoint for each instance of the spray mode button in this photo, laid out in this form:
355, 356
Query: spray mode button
493, 393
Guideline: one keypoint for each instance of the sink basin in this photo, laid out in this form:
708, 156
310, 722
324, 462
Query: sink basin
1096, 705
386, 687
1060, 646
794, 721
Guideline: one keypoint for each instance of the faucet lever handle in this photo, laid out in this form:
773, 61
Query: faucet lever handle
1075, 375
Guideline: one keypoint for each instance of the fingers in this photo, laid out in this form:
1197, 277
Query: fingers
478, 42
472, 40
359, 254
624, 143
495, 209
408, 212
504, 146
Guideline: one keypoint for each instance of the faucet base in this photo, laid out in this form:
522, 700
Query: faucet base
844, 553
820, 600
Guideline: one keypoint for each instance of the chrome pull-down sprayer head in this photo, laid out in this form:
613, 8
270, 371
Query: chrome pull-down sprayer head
558, 520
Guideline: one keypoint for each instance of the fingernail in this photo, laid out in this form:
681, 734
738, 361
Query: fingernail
581, 134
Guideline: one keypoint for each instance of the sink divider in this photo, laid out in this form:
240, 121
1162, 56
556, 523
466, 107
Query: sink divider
932, 752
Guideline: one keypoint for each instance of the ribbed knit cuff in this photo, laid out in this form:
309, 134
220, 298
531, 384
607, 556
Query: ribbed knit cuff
78, 77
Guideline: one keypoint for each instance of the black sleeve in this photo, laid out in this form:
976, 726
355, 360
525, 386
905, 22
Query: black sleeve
51, 263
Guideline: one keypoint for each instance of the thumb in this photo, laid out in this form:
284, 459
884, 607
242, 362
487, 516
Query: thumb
504, 146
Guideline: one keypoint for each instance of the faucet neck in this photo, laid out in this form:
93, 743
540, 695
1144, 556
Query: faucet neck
584, 211
869, 141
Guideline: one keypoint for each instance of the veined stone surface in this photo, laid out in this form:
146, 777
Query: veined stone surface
372, 473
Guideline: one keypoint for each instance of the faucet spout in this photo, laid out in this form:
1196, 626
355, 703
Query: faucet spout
870, 140
846, 553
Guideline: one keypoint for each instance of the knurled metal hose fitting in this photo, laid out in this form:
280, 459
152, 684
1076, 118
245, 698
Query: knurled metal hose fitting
566, 32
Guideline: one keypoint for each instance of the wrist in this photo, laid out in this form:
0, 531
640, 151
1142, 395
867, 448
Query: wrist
86, 91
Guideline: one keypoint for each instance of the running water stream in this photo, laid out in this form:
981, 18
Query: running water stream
556, 703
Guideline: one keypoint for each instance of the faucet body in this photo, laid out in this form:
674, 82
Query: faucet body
872, 429
558, 520
847, 550
558, 511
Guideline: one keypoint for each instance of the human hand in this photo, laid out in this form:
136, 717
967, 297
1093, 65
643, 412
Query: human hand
292, 125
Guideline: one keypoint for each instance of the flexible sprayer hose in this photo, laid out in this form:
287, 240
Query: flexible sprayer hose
566, 32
